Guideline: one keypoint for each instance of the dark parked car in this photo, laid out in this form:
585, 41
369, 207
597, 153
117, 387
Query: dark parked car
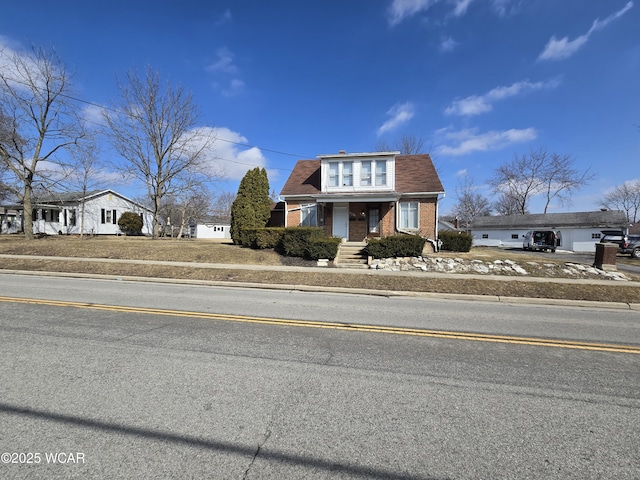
627, 244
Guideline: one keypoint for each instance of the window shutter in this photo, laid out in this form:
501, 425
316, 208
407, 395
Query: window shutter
113, 217
102, 215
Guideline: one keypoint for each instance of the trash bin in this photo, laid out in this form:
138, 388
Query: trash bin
606, 256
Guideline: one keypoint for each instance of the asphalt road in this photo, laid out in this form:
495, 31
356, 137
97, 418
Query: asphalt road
239, 390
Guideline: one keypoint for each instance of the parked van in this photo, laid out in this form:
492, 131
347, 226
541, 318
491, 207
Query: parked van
541, 240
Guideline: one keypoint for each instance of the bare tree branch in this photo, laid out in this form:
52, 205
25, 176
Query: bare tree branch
39, 122
154, 131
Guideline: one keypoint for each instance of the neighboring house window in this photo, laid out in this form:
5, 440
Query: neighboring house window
381, 172
108, 216
365, 174
595, 235
308, 216
409, 215
514, 236
485, 235
347, 174
334, 174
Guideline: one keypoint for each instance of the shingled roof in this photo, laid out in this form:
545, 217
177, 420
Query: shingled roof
601, 219
414, 174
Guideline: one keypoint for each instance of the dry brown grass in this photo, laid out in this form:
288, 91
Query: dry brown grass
204, 251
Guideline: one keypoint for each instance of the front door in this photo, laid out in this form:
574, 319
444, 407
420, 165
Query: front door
341, 221
373, 227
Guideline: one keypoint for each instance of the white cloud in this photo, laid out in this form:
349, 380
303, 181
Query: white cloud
501, 7
400, 114
469, 141
461, 173
231, 155
559, 49
477, 104
401, 9
447, 44
93, 115
461, 7
224, 63
227, 73
224, 18
235, 87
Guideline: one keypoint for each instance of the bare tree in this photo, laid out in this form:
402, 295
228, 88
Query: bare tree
535, 174
508, 205
561, 178
471, 203
84, 173
221, 210
406, 144
153, 129
39, 123
625, 197
192, 200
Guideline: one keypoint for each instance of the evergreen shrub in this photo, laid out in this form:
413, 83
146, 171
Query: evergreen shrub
261, 238
130, 223
326, 247
455, 241
295, 240
396, 246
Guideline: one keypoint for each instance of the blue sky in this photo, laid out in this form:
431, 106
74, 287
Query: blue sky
479, 80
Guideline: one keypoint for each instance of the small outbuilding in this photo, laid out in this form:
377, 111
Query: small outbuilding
577, 231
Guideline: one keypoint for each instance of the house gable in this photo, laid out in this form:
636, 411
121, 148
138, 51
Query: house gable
356, 196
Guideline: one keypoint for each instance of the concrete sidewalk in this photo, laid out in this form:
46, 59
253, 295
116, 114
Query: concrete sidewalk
329, 270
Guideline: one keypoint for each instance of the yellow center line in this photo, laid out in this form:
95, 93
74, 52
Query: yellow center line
479, 337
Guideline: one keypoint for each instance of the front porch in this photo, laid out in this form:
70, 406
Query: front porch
358, 221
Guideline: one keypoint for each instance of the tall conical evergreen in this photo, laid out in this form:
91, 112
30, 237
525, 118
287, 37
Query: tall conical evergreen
252, 207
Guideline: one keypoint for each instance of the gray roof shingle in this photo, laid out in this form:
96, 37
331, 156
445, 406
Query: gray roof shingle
607, 218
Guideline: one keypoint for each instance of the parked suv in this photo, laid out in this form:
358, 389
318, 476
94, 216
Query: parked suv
627, 244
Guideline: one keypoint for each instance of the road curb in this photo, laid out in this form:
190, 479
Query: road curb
345, 291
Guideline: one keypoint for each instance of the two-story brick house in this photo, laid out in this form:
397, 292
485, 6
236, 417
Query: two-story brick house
357, 196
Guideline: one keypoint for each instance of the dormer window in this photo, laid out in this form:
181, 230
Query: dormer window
365, 173
358, 173
347, 174
381, 173
334, 174
340, 174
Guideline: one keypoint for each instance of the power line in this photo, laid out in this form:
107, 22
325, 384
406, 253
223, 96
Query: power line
103, 107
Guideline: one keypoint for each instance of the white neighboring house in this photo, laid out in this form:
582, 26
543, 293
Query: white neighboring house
61, 214
578, 232
211, 228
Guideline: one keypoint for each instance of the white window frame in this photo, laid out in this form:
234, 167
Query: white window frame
334, 174
347, 174
409, 211
309, 215
381, 173
365, 173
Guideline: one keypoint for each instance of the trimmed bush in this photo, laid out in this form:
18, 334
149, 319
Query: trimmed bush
455, 241
261, 238
396, 246
295, 240
323, 248
130, 223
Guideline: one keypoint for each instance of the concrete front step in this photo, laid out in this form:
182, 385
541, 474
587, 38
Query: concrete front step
351, 255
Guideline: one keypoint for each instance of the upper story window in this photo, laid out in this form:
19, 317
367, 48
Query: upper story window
351, 173
365, 173
381, 172
334, 174
340, 174
347, 174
